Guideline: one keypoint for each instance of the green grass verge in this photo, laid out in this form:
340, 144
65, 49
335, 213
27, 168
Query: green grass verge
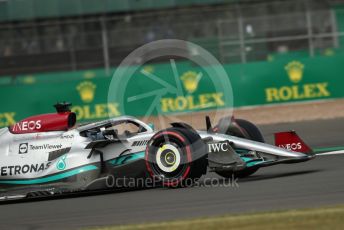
329, 149
320, 218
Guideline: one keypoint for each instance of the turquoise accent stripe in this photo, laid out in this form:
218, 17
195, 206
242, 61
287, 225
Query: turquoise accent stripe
241, 151
246, 159
52, 178
251, 162
127, 158
257, 163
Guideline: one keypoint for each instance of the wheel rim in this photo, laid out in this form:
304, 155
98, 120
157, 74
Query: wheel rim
178, 161
168, 158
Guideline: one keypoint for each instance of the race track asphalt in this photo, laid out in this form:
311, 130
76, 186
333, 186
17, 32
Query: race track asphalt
311, 184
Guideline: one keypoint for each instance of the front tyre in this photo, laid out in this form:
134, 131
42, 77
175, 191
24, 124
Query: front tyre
252, 132
176, 157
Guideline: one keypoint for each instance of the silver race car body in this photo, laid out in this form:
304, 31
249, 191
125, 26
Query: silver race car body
48, 155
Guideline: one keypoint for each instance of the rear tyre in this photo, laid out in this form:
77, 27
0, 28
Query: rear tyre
176, 157
252, 133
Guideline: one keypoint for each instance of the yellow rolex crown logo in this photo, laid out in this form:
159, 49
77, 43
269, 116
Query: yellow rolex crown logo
29, 79
190, 80
87, 91
148, 69
295, 71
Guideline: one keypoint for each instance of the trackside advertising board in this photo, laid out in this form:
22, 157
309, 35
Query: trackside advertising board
253, 84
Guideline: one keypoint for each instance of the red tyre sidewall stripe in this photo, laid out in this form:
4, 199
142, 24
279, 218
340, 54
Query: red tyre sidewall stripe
188, 154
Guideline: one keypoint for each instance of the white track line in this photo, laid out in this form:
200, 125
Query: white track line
331, 153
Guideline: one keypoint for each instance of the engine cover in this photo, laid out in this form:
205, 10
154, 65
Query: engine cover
45, 123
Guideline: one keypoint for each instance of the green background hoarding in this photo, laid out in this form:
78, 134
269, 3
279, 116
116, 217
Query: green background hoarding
31, 9
253, 84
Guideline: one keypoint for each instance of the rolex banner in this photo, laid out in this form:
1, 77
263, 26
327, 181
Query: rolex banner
253, 84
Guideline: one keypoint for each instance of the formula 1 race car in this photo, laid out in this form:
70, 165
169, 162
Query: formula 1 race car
48, 155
